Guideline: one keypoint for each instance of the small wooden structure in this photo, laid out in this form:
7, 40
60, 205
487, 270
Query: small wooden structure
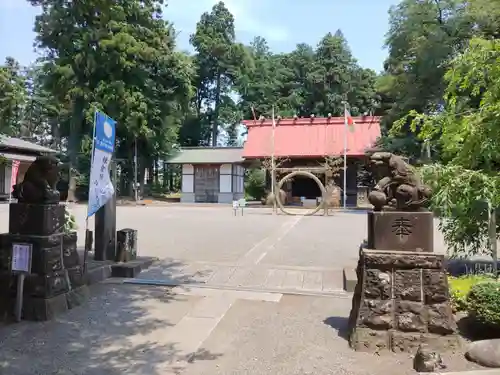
210, 174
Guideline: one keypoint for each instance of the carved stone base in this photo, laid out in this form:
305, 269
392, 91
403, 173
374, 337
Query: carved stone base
36, 219
401, 300
50, 253
41, 309
56, 281
399, 230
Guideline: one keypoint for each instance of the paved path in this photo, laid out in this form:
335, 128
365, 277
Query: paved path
281, 279
257, 294
131, 330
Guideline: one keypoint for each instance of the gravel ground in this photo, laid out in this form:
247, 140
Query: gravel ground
299, 336
120, 331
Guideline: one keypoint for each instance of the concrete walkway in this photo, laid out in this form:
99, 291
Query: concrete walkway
123, 330
256, 294
135, 330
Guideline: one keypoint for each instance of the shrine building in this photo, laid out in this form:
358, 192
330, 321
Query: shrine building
215, 174
303, 143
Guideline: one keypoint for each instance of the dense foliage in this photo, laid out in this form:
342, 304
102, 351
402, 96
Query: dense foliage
457, 118
461, 286
255, 184
438, 93
121, 57
466, 182
483, 303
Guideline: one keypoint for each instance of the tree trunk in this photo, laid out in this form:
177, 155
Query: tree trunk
151, 168
215, 126
156, 179
74, 143
130, 173
171, 172
165, 170
142, 173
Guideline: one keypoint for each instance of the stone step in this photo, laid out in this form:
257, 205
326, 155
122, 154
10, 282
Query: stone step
472, 372
173, 283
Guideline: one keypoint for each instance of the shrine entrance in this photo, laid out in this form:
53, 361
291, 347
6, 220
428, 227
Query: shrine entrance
206, 184
310, 176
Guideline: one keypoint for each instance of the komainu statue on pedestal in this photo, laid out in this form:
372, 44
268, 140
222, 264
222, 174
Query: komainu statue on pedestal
398, 186
39, 183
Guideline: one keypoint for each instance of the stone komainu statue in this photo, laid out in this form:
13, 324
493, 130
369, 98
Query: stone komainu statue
269, 200
39, 183
398, 186
333, 195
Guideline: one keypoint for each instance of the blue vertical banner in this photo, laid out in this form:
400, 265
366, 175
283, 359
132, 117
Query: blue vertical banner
101, 188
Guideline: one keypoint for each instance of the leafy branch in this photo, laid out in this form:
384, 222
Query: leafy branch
460, 199
333, 165
467, 129
267, 163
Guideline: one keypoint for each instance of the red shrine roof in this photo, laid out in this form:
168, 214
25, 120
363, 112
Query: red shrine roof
310, 137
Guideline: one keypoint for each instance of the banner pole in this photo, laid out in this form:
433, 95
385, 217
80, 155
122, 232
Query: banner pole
11, 173
87, 236
345, 156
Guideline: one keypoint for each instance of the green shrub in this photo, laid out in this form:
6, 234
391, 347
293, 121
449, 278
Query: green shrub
460, 287
483, 302
255, 186
69, 220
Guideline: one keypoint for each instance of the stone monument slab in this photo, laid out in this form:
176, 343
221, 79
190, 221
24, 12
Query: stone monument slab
401, 230
126, 243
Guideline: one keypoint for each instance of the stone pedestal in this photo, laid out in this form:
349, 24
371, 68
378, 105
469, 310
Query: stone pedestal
36, 219
56, 282
362, 197
401, 300
399, 230
126, 245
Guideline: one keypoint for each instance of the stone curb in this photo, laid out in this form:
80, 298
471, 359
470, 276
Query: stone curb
132, 268
472, 372
349, 279
98, 274
173, 283
110, 269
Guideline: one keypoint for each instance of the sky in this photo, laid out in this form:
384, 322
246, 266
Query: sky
284, 24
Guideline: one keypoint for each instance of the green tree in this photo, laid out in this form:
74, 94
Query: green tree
333, 78
423, 36
306, 81
468, 132
258, 88
118, 57
485, 16
219, 62
12, 96
40, 121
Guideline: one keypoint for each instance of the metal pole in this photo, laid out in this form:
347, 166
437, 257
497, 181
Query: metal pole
135, 172
88, 243
19, 296
345, 154
11, 178
273, 166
